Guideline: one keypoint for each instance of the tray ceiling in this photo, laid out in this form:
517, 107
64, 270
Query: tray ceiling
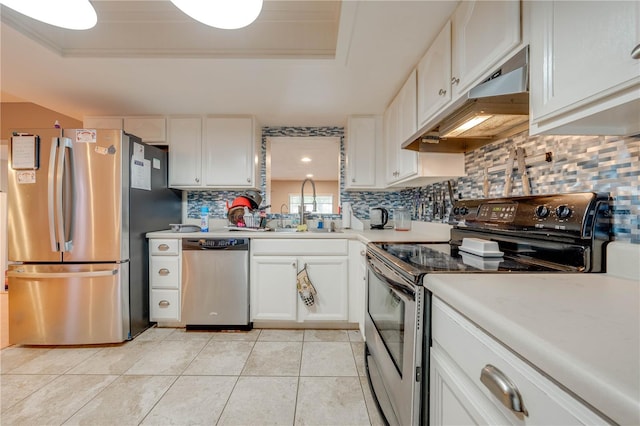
284, 29
301, 63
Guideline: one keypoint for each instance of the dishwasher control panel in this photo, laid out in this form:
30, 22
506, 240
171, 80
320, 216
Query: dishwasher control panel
215, 243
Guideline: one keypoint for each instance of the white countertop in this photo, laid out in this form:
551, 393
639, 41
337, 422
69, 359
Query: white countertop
582, 330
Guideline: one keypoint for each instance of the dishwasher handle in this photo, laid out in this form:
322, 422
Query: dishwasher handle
215, 244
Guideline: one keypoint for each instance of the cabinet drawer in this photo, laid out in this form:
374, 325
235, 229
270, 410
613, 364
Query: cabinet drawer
299, 247
165, 305
164, 247
471, 349
164, 271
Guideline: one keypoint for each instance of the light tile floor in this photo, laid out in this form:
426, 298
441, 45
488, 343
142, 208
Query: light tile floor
169, 376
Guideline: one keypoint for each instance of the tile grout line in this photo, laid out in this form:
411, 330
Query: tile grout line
226, 403
175, 380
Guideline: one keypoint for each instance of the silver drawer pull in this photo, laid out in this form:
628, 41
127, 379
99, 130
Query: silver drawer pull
635, 53
163, 247
164, 303
503, 389
163, 272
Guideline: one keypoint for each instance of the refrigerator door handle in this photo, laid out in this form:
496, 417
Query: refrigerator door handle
20, 273
60, 194
68, 194
55, 246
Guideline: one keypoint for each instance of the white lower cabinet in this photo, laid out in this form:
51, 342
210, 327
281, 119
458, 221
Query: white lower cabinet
459, 354
165, 259
274, 268
357, 282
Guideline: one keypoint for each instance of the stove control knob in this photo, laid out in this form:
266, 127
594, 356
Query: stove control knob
456, 211
542, 212
464, 210
563, 211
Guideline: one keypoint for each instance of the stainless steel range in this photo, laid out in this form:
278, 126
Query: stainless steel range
533, 234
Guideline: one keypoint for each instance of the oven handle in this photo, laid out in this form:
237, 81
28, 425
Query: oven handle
401, 289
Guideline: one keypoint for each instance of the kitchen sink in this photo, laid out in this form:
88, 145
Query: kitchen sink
313, 231
325, 231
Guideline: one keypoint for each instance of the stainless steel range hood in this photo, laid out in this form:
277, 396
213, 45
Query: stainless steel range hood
495, 109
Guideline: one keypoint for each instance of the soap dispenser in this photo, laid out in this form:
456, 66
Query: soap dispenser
204, 219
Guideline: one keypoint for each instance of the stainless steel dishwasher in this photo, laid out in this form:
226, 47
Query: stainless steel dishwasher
215, 283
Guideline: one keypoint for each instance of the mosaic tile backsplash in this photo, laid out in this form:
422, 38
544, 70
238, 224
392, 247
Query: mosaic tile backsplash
578, 163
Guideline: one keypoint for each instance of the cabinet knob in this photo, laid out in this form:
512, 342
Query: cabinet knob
455, 81
163, 247
442, 92
353, 180
635, 53
197, 180
503, 389
248, 180
294, 265
164, 303
362, 252
163, 272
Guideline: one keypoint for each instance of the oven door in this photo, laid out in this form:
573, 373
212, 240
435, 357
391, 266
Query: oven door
393, 334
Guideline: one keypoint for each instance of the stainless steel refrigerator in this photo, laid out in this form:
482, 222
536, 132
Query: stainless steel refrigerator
80, 204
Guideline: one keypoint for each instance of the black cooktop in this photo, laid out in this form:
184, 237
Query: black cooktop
442, 257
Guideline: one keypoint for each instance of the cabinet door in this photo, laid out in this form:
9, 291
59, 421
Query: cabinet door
454, 401
149, 129
273, 288
581, 52
185, 142
102, 122
484, 32
391, 141
407, 161
329, 276
408, 108
434, 77
357, 282
361, 152
229, 152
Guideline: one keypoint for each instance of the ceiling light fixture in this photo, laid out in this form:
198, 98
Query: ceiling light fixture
224, 14
309, 175
69, 14
305, 159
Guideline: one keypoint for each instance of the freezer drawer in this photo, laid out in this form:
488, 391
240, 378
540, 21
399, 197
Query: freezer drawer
68, 304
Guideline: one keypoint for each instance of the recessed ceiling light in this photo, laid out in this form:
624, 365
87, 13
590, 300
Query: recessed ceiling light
309, 175
305, 159
69, 14
224, 14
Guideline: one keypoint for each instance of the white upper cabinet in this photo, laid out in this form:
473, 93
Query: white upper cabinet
584, 79
407, 102
102, 122
229, 152
484, 32
214, 152
149, 129
400, 124
364, 143
434, 77
185, 146
407, 168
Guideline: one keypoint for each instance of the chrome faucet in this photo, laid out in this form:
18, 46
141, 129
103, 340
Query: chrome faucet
315, 206
282, 207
